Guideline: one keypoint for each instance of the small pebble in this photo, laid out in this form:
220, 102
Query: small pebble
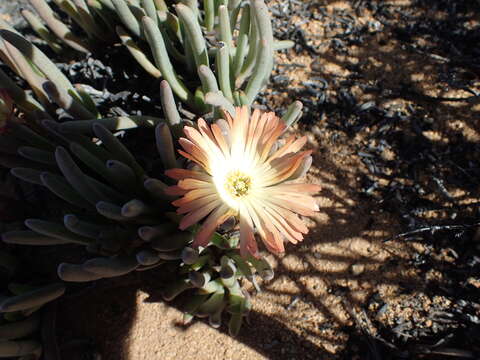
357, 269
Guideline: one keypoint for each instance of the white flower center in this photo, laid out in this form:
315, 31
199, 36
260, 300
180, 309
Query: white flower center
233, 185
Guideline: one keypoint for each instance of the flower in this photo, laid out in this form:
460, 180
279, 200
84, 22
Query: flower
241, 172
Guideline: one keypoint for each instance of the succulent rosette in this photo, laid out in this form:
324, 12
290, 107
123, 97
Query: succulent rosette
242, 171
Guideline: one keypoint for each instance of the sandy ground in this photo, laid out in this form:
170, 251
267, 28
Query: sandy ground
10, 11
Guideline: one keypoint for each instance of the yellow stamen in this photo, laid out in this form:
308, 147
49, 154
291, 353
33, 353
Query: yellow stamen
238, 184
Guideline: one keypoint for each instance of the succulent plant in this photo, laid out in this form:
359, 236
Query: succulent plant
19, 308
53, 90
50, 89
92, 16
243, 58
211, 52
49, 85
113, 204
121, 213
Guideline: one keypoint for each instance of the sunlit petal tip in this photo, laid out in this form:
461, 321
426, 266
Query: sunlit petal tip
177, 203
228, 116
182, 227
276, 249
201, 123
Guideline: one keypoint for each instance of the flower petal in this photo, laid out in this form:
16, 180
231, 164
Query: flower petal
193, 195
197, 215
175, 190
180, 174
202, 141
298, 188
216, 218
221, 140
291, 146
196, 204
248, 245
295, 222
267, 231
283, 226
293, 205
196, 153
282, 168
192, 184
229, 118
277, 127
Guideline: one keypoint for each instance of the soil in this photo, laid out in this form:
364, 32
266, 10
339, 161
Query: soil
10, 12
391, 94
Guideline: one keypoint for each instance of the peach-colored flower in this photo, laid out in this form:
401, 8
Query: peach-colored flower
241, 173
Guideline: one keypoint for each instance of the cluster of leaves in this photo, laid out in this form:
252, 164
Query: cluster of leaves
21, 301
217, 54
